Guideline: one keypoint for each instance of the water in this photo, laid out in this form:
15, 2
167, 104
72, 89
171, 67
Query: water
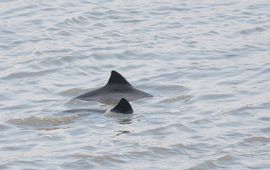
207, 64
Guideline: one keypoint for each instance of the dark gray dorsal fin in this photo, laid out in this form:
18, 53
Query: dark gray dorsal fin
117, 78
123, 107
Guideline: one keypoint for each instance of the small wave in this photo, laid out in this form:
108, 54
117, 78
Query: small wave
216, 97
25, 74
76, 21
4, 127
218, 163
172, 9
166, 130
205, 165
108, 160
41, 121
258, 139
266, 130
252, 30
184, 98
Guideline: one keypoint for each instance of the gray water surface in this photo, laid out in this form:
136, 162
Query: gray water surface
207, 64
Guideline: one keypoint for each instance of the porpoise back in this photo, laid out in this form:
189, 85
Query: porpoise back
122, 107
116, 88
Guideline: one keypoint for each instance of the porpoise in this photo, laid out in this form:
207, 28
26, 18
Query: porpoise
116, 88
122, 107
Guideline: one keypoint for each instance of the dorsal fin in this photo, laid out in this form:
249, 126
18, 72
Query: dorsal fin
123, 107
117, 78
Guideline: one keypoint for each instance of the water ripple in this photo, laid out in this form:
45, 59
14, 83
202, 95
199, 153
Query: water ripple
206, 63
